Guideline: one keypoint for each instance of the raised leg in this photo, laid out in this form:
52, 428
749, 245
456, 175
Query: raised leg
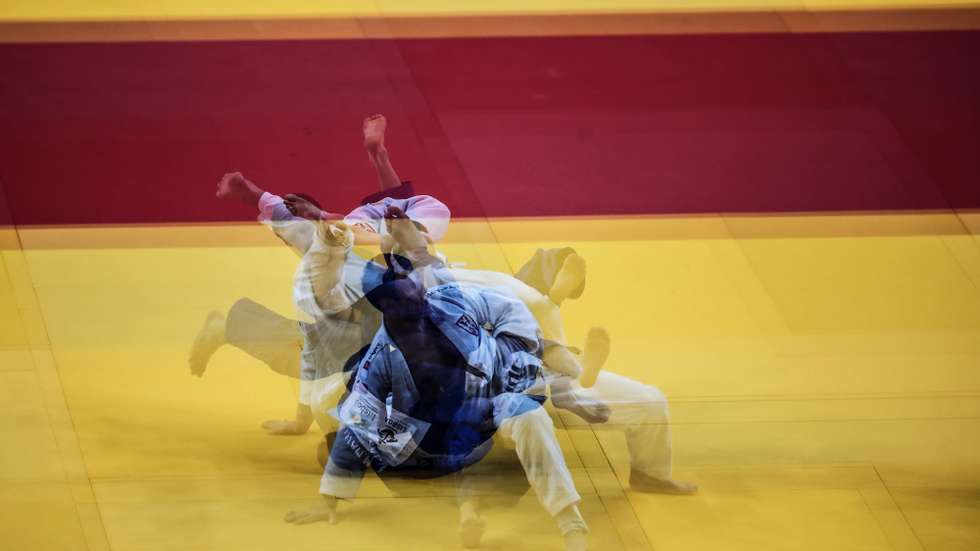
374, 142
569, 278
594, 355
209, 338
471, 525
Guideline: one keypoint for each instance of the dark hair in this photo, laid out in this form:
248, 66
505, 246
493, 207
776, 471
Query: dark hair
398, 267
396, 288
308, 197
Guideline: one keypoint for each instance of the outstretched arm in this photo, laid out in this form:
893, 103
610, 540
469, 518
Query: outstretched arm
302, 208
273, 210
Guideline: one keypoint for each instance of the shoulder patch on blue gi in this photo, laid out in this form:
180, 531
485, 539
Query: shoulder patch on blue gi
370, 355
468, 324
442, 289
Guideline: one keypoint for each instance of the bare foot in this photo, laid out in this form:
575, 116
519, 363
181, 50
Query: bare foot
576, 540
594, 356
569, 279
374, 133
208, 340
471, 531
640, 482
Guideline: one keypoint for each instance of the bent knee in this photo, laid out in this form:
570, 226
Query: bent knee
654, 403
535, 420
648, 401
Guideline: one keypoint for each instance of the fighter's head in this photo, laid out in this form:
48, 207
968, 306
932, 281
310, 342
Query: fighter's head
400, 298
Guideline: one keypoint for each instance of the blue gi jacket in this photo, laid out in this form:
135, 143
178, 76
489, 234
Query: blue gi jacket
500, 342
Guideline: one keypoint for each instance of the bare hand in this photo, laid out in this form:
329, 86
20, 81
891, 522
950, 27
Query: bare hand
325, 511
317, 514
591, 410
230, 184
283, 427
302, 208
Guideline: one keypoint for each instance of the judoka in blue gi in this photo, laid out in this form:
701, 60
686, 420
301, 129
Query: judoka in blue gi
449, 367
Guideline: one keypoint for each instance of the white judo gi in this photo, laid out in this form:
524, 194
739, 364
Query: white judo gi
639, 410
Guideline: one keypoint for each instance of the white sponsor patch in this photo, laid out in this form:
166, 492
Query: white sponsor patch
388, 432
361, 410
399, 435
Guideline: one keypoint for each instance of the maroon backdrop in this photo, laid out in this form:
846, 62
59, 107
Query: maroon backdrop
103, 133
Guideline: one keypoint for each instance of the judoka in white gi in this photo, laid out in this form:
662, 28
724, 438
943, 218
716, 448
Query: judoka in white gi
308, 349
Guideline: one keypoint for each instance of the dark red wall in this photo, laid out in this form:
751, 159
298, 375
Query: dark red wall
99, 133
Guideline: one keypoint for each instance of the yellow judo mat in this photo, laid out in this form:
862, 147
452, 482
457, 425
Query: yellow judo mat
823, 375
823, 372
